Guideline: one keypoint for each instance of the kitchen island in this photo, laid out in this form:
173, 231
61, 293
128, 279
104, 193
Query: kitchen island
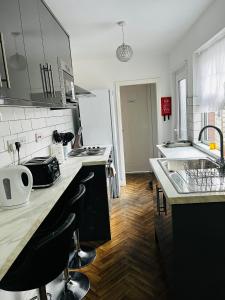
17, 226
190, 232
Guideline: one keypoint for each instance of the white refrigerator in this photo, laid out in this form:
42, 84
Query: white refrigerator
98, 121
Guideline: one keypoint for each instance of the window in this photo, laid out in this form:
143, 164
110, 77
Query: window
181, 103
210, 87
216, 119
182, 93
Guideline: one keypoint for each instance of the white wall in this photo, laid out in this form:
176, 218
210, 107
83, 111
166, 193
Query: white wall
19, 121
101, 74
210, 23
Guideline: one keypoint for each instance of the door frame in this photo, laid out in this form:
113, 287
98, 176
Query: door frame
118, 85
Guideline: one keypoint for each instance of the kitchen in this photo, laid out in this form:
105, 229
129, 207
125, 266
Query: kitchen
62, 96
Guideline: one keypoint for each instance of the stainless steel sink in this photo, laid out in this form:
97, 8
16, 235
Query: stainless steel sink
194, 175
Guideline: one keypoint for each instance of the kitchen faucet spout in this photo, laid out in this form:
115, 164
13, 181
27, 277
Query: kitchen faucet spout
221, 140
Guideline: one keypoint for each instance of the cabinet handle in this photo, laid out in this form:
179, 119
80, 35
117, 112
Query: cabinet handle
45, 81
42, 79
53, 89
7, 80
49, 80
163, 208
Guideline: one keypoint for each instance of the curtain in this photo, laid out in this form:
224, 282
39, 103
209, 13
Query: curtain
211, 78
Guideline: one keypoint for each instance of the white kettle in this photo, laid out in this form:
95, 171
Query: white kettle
15, 186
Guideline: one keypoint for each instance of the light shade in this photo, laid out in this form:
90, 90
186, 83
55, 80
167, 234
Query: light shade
124, 52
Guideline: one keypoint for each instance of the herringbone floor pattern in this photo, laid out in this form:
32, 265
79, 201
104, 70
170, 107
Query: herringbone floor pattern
128, 267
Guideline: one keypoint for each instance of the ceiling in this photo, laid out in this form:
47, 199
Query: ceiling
153, 26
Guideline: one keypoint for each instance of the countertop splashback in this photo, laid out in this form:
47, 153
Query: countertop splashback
18, 121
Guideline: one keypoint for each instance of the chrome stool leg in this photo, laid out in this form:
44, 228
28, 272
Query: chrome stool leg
77, 286
83, 256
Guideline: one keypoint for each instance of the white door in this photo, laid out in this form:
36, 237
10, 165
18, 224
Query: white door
136, 109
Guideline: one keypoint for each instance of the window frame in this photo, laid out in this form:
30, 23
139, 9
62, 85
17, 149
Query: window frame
180, 75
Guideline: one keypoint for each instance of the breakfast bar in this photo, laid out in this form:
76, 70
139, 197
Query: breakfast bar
17, 226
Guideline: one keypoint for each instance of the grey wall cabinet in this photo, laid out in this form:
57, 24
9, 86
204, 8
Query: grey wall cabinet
56, 48
34, 49
34, 42
14, 82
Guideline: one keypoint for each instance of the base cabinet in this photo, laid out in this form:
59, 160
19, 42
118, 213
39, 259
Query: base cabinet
191, 239
95, 223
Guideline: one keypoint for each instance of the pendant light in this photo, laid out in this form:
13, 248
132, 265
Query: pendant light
124, 52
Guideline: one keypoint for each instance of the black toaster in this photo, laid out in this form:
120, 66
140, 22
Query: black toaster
45, 170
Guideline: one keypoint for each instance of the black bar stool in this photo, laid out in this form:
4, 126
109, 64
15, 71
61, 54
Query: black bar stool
78, 283
43, 260
84, 255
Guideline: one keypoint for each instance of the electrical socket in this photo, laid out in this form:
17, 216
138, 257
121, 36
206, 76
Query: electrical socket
38, 137
11, 143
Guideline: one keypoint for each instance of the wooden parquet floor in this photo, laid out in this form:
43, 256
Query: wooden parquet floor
128, 267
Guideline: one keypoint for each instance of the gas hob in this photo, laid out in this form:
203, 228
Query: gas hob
87, 151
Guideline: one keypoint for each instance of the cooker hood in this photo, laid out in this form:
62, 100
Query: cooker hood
80, 92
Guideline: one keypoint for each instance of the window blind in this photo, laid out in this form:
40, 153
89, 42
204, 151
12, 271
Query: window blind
211, 77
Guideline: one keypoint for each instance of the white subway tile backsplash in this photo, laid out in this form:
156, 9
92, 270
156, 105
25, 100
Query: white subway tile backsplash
38, 113
18, 122
5, 159
19, 113
2, 145
26, 125
38, 123
4, 129
15, 127
29, 112
6, 113
30, 136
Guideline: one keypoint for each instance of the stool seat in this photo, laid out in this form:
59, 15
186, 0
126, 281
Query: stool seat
41, 261
83, 255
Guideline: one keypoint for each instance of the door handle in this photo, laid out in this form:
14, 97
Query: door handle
6, 79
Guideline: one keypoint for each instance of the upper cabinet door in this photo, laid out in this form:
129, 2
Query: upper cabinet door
50, 37
14, 82
34, 49
63, 49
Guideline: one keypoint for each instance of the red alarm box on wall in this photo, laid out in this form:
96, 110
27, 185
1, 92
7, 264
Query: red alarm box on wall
166, 107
